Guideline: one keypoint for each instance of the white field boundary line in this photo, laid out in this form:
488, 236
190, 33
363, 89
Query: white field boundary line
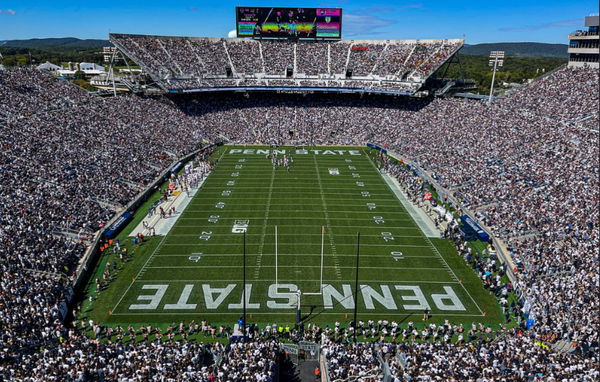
328, 225
261, 246
435, 250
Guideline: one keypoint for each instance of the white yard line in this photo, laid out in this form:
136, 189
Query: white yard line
140, 272
335, 267
328, 225
264, 227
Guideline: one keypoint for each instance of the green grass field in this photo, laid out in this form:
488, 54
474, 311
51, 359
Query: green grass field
196, 271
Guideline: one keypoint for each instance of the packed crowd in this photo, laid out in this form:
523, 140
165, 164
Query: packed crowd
185, 62
524, 165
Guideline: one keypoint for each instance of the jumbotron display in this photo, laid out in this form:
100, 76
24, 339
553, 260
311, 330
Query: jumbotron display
289, 22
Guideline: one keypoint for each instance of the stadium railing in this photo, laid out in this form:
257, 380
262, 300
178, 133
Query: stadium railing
88, 262
324, 368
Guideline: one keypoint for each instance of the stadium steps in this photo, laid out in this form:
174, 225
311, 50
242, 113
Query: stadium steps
107, 203
135, 184
72, 234
486, 206
54, 275
526, 236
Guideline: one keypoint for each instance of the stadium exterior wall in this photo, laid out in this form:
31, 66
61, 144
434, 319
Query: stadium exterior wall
91, 256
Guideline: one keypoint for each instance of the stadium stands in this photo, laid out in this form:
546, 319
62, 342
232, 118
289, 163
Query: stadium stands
178, 63
525, 165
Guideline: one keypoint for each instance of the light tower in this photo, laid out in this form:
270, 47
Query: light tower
496, 61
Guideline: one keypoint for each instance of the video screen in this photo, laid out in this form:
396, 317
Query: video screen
289, 22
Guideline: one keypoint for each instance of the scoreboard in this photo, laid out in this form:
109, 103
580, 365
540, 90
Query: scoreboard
308, 23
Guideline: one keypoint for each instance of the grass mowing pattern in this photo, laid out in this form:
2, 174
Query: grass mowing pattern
245, 187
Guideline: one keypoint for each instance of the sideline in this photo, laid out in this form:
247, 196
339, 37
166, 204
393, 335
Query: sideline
419, 216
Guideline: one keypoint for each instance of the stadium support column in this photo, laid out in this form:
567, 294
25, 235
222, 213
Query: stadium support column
356, 285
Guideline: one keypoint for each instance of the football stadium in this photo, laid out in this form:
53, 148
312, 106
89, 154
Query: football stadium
287, 204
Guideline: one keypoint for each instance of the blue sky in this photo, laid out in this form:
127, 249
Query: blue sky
476, 21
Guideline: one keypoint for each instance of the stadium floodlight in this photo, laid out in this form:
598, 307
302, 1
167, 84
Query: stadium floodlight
496, 61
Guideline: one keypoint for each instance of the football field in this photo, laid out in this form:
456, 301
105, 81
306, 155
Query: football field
291, 222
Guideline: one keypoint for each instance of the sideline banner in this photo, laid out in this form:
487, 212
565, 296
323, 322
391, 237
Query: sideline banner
481, 234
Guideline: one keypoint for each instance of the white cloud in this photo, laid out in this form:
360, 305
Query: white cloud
363, 24
7, 12
553, 24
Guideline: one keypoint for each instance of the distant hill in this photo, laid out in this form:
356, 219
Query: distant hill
518, 49
65, 42
512, 49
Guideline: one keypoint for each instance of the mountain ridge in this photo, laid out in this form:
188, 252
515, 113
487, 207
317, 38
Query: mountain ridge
512, 49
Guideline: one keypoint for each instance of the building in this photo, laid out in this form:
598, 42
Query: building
583, 44
49, 67
91, 69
